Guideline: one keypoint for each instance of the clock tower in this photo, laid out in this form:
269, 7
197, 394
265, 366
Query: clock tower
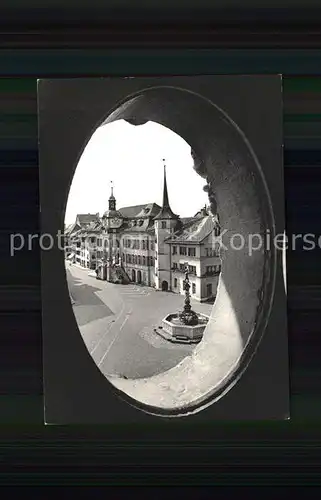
112, 221
112, 218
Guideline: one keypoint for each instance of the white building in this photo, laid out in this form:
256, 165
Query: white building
149, 245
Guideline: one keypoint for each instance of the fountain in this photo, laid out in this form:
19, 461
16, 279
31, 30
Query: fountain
186, 326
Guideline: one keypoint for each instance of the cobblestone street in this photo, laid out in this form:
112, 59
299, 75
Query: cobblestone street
117, 323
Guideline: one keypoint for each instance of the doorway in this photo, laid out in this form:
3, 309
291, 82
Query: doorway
165, 286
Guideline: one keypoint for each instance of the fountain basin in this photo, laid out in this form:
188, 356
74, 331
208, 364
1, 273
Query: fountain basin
175, 331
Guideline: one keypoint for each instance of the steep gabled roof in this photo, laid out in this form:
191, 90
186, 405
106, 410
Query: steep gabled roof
187, 220
195, 231
131, 212
85, 219
149, 210
71, 228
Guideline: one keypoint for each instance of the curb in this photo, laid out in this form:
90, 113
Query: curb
174, 340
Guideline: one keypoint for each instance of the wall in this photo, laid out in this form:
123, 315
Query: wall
244, 292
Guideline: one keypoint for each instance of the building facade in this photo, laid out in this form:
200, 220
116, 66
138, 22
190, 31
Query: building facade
149, 245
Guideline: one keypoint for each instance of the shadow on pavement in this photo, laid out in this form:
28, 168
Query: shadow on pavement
88, 307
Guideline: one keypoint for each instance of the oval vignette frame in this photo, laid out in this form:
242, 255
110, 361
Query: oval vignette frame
218, 142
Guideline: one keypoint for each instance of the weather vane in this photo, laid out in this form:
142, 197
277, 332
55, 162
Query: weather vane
112, 187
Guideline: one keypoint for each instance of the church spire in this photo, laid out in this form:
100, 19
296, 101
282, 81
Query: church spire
166, 212
165, 193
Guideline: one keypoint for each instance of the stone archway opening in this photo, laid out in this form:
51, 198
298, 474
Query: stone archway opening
165, 286
224, 158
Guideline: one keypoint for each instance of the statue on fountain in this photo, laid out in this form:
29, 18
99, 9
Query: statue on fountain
188, 316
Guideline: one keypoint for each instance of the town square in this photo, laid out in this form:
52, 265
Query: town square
117, 324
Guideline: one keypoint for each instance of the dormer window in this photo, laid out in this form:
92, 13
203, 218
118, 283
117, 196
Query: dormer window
163, 224
146, 210
141, 222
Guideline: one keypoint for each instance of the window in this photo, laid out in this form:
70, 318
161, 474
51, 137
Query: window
193, 288
139, 260
209, 252
144, 260
174, 250
143, 244
191, 252
152, 245
93, 239
192, 269
175, 283
174, 265
213, 252
151, 261
163, 224
138, 244
182, 267
217, 250
213, 269
182, 250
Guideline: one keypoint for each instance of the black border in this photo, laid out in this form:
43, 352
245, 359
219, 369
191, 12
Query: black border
241, 454
72, 108
151, 34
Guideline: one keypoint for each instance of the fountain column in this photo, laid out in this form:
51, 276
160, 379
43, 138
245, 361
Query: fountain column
188, 316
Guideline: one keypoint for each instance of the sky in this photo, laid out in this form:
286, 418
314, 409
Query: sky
132, 158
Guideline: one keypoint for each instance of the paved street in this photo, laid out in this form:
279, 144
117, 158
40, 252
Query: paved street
117, 322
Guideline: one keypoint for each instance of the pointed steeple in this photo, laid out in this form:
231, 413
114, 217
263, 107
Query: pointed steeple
112, 199
165, 192
166, 211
